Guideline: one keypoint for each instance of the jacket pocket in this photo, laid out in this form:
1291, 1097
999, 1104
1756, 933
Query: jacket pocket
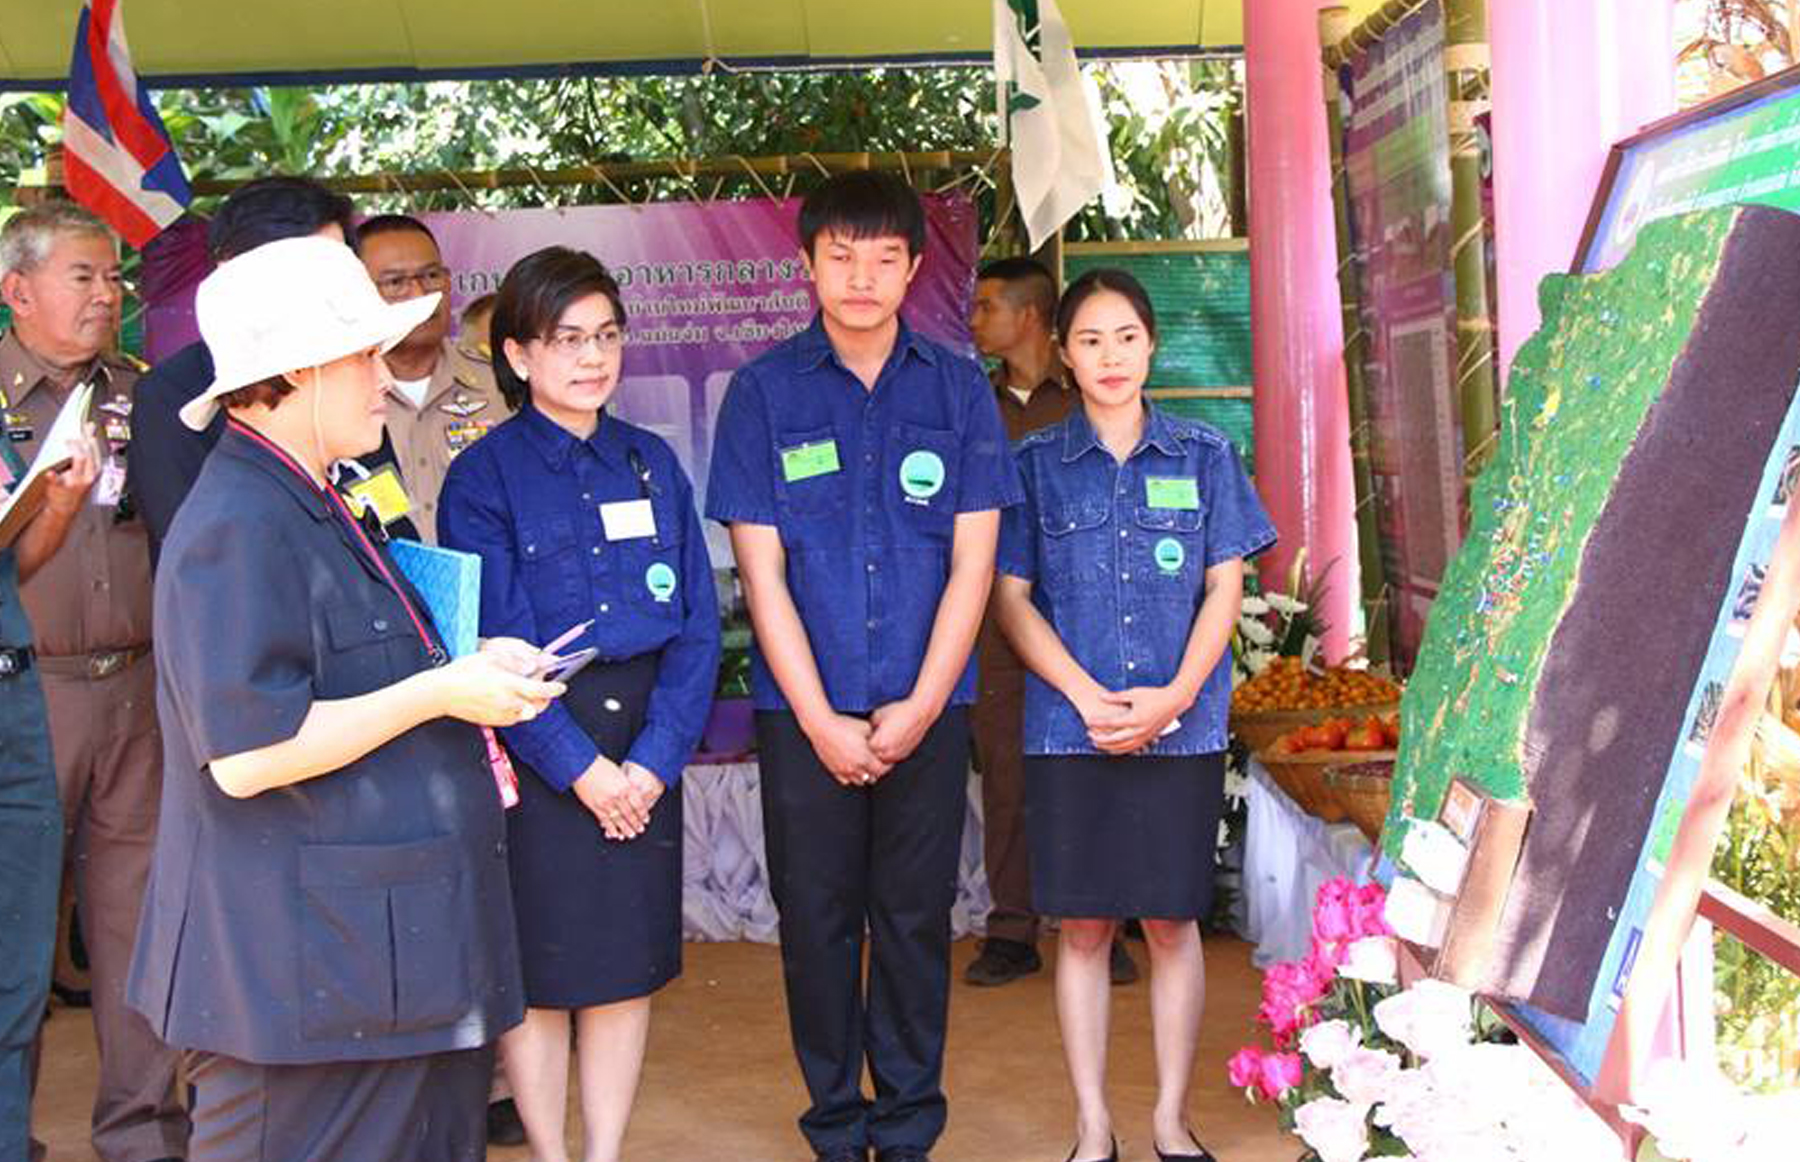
370, 648
378, 926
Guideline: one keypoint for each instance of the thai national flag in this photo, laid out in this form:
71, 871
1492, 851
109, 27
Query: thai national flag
117, 158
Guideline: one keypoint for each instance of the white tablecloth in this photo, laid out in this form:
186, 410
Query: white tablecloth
1287, 855
725, 881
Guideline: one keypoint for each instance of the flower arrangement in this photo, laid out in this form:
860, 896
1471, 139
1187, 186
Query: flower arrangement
1364, 1069
1694, 1112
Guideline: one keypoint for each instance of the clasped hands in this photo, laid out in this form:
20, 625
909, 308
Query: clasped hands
858, 752
1121, 722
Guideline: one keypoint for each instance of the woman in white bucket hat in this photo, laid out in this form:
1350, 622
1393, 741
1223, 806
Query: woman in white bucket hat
328, 925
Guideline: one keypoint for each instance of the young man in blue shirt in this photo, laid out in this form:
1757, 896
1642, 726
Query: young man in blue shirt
861, 469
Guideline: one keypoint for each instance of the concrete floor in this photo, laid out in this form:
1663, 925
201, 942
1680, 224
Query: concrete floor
720, 1083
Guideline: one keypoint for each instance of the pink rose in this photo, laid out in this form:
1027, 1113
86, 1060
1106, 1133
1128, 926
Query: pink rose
1336, 889
1334, 920
1245, 1067
1280, 1073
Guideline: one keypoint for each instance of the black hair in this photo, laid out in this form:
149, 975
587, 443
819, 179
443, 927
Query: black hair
272, 208
863, 204
533, 296
391, 224
1104, 278
1029, 283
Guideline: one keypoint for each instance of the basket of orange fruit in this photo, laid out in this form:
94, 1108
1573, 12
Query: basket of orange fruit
1289, 695
1363, 790
1299, 760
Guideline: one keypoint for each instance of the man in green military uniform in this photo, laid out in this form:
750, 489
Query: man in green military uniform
30, 819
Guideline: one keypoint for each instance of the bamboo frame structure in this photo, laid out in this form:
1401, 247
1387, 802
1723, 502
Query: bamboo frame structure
1376, 591
1466, 79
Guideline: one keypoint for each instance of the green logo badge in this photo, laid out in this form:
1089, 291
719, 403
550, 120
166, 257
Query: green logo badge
660, 580
1169, 554
921, 474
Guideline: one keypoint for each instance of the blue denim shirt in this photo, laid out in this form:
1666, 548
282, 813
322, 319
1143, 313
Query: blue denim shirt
526, 498
1117, 555
864, 487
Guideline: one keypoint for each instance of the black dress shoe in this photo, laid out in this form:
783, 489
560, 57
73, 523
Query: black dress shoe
504, 1128
844, 1154
1001, 962
1111, 1157
74, 999
903, 1154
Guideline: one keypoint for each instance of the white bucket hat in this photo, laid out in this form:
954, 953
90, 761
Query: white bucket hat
288, 305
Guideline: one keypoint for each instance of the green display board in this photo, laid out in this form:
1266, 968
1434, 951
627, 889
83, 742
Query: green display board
1744, 147
1201, 293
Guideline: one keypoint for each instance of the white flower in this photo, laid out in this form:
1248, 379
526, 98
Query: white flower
1283, 604
1253, 605
1693, 1111
1255, 661
1336, 1129
1255, 632
1326, 1043
1373, 959
1364, 1076
1429, 1018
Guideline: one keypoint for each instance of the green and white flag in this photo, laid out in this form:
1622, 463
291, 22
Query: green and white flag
1059, 155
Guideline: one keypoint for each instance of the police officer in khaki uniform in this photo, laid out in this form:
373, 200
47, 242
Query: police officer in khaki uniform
443, 398
90, 612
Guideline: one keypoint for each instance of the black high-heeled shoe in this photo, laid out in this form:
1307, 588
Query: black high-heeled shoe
1204, 1155
1112, 1157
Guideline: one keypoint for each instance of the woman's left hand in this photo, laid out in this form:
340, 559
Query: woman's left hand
648, 786
1149, 711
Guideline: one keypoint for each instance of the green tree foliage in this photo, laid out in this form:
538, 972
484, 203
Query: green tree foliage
1167, 122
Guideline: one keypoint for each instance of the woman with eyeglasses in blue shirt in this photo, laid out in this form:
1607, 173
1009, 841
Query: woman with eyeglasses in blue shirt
583, 520
1120, 581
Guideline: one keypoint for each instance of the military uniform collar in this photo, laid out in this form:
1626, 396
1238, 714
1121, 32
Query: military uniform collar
21, 371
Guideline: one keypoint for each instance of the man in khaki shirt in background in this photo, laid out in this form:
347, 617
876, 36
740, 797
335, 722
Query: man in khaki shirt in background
1013, 320
443, 398
90, 613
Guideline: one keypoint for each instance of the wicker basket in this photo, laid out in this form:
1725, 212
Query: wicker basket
1363, 790
1302, 776
1259, 729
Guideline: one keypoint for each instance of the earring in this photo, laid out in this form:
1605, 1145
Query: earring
524, 376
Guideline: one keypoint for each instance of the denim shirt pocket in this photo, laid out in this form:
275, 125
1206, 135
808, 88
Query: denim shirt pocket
551, 565
651, 580
1072, 543
1168, 551
922, 480
812, 507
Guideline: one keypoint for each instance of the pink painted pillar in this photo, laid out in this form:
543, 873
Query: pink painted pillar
1568, 81
1302, 413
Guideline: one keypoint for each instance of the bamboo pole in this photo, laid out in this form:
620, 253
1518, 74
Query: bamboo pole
1466, 81
1333, 25
1354, 41
605, 173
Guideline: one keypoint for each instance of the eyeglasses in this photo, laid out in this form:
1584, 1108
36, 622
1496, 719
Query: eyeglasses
569, 342
430, 278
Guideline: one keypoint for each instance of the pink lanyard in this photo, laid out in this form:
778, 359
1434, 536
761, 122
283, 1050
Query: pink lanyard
506, 780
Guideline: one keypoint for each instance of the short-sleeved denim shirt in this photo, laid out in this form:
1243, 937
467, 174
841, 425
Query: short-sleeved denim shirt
1117, 555
864, 487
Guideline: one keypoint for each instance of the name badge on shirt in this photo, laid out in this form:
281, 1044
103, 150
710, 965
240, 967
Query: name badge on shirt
383, 492
19, 428
804, 461
111, 484
1171, 492
628, 520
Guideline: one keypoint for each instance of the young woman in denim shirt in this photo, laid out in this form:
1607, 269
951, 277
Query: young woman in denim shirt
581, 518
1120, 581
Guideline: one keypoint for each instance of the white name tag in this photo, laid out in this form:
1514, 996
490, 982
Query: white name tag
628, 520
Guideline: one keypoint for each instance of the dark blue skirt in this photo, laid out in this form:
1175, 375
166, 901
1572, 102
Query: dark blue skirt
1123, 837
599, 921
